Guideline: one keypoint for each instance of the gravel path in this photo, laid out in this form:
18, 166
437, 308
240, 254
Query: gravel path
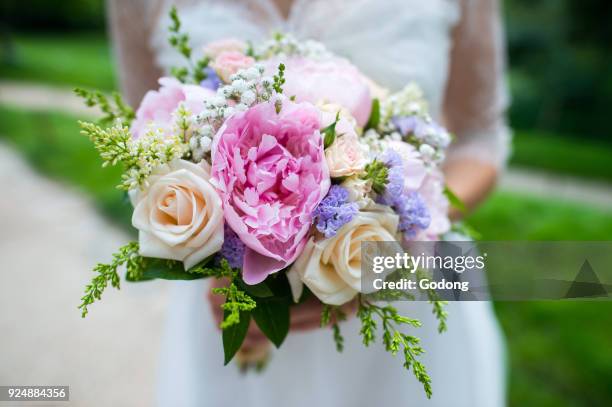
43, 97
50, 238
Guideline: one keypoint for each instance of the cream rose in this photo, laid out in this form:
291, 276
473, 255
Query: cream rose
179, 214
331, 268
346, 156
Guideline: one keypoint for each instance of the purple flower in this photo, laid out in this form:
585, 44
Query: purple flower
334, 211
212, 80
410, 206
232, 249
413, 213
395, 175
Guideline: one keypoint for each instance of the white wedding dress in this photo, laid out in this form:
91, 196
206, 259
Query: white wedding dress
454, 51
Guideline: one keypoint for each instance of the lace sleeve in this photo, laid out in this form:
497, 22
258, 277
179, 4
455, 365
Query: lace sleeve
476, 95
130, 25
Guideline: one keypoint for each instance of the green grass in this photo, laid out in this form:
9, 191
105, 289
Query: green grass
565, 155
559, 352
69, 60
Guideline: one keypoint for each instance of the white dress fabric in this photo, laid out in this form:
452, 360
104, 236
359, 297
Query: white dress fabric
453, 50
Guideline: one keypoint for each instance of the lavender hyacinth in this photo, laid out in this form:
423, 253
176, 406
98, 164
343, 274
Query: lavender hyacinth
233, 248
334, 211
395, 175
413, 214
212, 80
410, 207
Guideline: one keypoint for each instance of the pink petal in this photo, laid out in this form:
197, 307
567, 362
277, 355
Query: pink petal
257, 267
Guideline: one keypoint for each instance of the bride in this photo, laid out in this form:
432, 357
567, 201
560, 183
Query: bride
454, 51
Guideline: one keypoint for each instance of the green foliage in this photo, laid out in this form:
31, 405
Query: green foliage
279, 79
113, 110
378, 173
165, 270
434, 300
454, 200
331, 315
180, 41
393, 339
272, 317
107, 273
238, 304
329, 132
236, 301
234, 335
222, 270
374, 119
261, 290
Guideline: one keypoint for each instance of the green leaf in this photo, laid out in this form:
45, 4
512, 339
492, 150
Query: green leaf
260, 290
454, 200
329, 132
234, 335
131, 279
165, 270
374, 119
272, 317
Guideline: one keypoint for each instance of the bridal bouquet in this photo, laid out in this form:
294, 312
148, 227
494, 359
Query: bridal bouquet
267, 165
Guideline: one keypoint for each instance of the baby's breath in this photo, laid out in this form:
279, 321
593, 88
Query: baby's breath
286, 45
407, 102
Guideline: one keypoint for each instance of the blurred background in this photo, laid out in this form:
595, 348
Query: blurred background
558, 186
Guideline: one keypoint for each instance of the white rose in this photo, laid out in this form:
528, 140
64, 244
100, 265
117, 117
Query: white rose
331, 268
330, 110
179, 214
359, 191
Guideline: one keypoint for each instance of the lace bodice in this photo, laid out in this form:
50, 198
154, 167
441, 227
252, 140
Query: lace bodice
452, 49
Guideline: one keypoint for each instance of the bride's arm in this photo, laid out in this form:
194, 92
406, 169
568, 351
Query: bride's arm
130, 24
475, 102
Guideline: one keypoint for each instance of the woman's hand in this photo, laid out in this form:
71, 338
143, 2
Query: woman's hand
303, 317
471, 180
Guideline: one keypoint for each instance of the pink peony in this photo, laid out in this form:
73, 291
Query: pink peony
333, 81
228, 63
157, 106
270, 171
